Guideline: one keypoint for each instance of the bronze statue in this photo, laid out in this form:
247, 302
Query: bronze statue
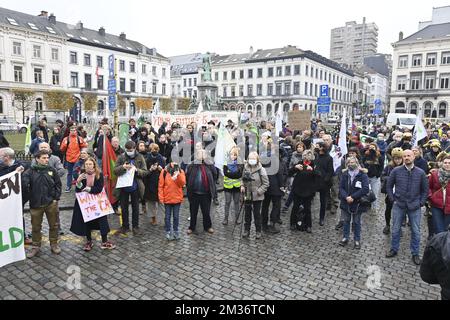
207, 68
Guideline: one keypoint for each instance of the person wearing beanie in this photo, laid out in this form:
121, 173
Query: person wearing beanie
434, 148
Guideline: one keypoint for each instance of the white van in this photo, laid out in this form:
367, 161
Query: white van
402, 120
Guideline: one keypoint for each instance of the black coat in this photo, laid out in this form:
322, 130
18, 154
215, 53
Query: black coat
42, 186
374, 166
277, 181
305, 182
165, 149
436, 263
55, 144
78, 226
325, 169
152, 179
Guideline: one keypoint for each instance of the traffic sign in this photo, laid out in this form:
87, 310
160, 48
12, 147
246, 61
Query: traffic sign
377, 102
112, 102
324, 90
111, 66
112, 89
323, 104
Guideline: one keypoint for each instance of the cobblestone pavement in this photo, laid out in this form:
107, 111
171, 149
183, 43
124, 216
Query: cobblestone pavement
290, 265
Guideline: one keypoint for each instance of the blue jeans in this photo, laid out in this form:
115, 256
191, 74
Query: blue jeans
347, 217
414, 216
175, 209
69, 173
441, 221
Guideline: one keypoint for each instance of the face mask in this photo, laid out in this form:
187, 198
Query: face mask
352, 167
131, 154
252, 162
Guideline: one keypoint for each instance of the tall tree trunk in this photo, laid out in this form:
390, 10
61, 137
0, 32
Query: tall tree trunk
23, 113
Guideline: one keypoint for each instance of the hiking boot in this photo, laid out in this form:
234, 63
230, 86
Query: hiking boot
55, 249
33, 252
108, 245
387, 230
258, 235
246, 234
273, 229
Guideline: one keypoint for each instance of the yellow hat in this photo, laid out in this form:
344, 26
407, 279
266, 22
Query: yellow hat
397, 153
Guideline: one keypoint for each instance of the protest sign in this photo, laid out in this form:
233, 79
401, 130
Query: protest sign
126, 180
12, 246
94, 206
299, 120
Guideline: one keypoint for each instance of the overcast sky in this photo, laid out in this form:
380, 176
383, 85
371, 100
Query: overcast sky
177, 27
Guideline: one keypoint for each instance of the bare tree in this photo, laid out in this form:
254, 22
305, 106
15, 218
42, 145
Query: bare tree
23, 100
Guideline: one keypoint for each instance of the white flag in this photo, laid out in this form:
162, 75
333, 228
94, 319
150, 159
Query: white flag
156, 108
200, 108
279, 121
224, 145
343, 135
419, 132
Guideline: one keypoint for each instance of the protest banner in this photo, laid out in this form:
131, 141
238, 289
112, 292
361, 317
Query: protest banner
12, 246
201, 119
299, 120
94, 206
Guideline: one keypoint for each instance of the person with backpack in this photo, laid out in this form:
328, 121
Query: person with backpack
71, 146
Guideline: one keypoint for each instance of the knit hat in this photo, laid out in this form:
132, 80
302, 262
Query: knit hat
397, 153
407, 136
435, 144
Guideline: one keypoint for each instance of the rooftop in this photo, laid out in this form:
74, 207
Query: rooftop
434, 31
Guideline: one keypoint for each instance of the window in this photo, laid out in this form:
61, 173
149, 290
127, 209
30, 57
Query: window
233, 91
17, 48
55, 54
317, 74
163, 89
74, 79
279, 71
100, 61
415, 82
241, 74
306, 88
73, 57
18, 71
287, 89
241, 91
296, 70
154, 88
445, 79
122, 84
445, 57
429, 82
37, 52
259, 89
431, 59
87, 81
132, 67
122, 65
38, 104
1, 105
179, 90
190, 82
233, 75
38, 75
250, 90
321, 74
270, 72
55, 77
278, 88
442, 110
144, 69
417, 60
296, 88
154, 71
195, 82
100, 83
144, 86
310, 89
270, 89
260, 73
87, 60
225, 76
312, 72
216, 76
250, 73
224, 92
184, 83
287, 70
315, 90
163, 72
306, 70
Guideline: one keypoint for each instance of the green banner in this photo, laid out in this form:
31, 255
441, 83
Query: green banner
124, 129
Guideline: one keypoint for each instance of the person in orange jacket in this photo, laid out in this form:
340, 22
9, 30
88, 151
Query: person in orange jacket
170, 191
71, 146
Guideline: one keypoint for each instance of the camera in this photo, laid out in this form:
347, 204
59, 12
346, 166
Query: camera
247, 177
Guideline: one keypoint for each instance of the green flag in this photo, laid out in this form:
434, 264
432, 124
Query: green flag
124, 129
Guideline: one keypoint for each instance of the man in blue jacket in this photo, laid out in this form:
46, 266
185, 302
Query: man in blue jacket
407, 188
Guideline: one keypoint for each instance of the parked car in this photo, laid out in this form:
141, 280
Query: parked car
7, 125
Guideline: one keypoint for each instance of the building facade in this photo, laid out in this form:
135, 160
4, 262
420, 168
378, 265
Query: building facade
350, 44
185, 75
290, 78
421, 73
43, 54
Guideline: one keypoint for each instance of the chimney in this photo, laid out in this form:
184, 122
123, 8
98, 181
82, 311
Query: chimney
102, 31
400, 36
123, 36
251, 51
52, 18
79, 25
43, 14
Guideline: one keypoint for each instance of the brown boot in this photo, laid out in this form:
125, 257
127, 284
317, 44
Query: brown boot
33, 252
55, 248
153, 222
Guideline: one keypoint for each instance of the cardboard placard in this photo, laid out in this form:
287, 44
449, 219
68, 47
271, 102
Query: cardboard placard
299, 120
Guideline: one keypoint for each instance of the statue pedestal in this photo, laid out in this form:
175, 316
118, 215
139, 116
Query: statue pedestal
208, 92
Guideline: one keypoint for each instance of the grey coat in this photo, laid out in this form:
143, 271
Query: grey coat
260, 182
55, 163
295, 159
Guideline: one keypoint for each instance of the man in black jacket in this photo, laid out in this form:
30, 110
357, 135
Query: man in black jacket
324, 166
435, 268
43, 186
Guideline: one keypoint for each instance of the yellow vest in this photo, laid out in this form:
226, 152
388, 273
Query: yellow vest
231, 183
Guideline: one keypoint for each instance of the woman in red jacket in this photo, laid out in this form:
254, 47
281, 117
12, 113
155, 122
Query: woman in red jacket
439, 196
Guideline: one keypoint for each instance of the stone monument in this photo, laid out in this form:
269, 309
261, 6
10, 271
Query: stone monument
207, 89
